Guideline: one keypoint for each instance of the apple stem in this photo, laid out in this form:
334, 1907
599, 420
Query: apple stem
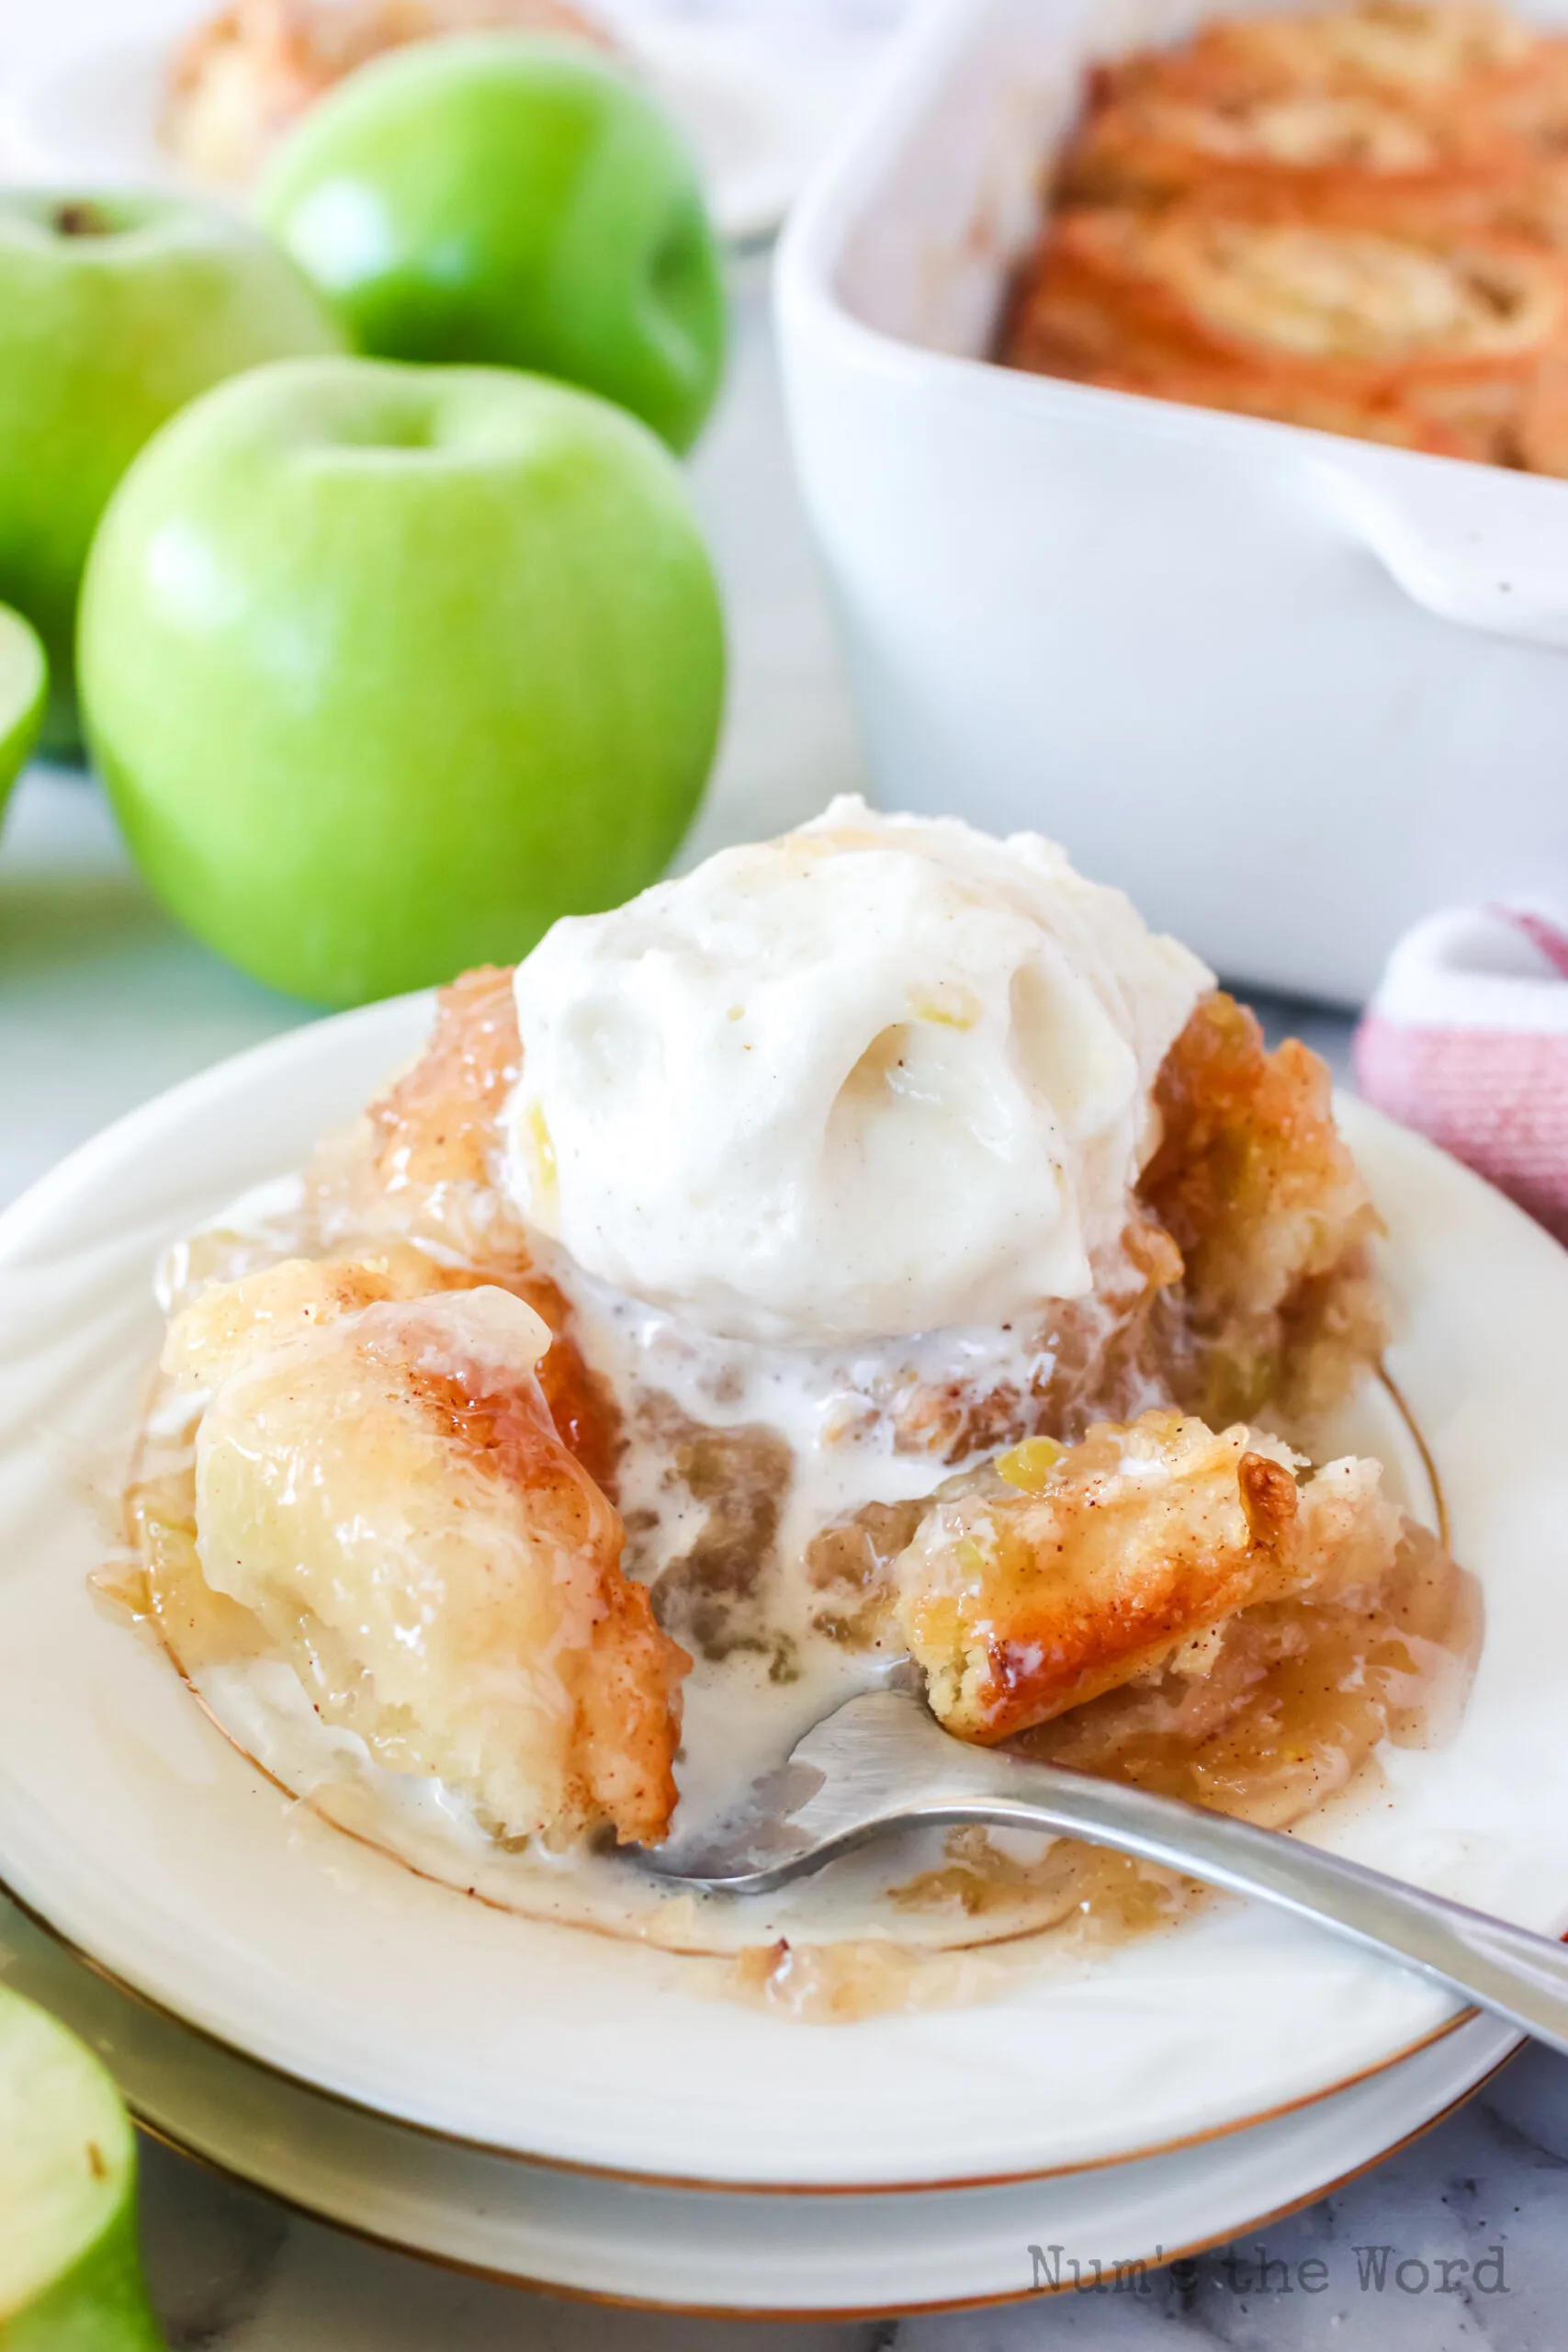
82, 219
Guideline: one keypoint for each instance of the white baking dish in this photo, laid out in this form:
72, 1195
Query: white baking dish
1291, 690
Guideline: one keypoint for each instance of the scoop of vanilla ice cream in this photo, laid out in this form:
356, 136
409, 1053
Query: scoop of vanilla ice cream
880, 1076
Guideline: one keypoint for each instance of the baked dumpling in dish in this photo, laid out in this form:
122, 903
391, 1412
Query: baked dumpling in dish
1260, 1193
1388, 112
1350, 217
1457, 337
1064, 1573
1349, 157
1285, 401
240, 78
1421, 54
380, 1482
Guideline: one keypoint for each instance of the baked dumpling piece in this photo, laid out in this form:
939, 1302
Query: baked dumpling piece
1282, 400
1352, 218
380, 1482
423, 1165
1384, 112
425, 1159
1421, 55
1064, 1573
1254, 1182
240, 78
1347, 157
1456, 337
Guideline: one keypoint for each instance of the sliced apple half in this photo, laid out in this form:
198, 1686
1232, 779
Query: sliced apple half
70, 2269
24, 688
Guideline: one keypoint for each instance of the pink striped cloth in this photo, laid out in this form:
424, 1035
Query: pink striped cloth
1467, 1041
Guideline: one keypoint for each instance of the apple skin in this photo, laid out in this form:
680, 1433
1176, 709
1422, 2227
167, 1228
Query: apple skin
106, 329
71, 2277
510, 202
24, 692
386, 667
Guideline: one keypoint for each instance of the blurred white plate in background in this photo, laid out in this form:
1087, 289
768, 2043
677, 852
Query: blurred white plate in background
756, 117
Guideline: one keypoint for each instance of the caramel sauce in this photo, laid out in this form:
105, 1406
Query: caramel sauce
1066, 1908
198, 1627
507, 1433
588, 1420
1121, 1895
1297, 1698
438, 1123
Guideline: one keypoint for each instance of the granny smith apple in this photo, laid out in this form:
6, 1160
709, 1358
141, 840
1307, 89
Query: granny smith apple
114, 312
24, 688
386, 667
70, 2269
515, 203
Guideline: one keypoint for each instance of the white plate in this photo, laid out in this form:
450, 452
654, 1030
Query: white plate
129, 1823
792, 2256
757, 120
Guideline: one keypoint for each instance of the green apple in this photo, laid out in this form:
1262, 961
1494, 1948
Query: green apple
70, 2269
514, 203
114, 312
24, 688
386, 667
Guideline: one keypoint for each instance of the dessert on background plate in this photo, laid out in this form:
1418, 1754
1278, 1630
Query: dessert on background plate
1354, 219
875, 1245
243, 77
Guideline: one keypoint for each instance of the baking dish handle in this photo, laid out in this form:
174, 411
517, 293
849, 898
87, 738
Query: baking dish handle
1475, 544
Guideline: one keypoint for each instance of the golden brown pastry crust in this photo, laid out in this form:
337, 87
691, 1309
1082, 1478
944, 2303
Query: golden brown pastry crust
1349, 156
1065, 1574
424, 1164
1438, 343
1353, 219
1421, 55
1263, 1198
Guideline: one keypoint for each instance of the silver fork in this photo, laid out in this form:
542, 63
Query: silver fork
881, 1762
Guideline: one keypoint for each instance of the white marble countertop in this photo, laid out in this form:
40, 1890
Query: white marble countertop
102, 1002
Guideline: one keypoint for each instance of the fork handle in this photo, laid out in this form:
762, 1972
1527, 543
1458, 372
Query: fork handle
1510, 1971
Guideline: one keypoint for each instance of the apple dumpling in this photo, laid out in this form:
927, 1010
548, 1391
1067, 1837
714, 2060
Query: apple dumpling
1420, 53
875, 1244
1345, 157
1064, 1573
1352, 220
378, 1481
242, 77
1252, 1181
1448, 342
425, 1159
